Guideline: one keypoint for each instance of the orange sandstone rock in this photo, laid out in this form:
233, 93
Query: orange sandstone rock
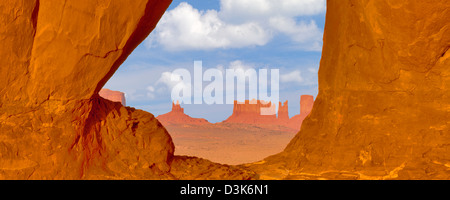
383, 107
56, 56
114, 96
382, 110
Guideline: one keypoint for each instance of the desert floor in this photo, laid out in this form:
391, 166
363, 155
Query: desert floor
230, 143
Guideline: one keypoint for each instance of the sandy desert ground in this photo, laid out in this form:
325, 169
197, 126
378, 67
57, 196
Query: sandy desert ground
230, 143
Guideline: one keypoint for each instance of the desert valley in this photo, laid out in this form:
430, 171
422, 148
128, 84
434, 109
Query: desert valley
246, 136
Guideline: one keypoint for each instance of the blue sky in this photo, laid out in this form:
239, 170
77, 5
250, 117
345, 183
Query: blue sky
269, 34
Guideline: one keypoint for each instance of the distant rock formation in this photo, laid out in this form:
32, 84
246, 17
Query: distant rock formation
114, 96
176, 107
306, 105
283, 112
249, 112
177, 116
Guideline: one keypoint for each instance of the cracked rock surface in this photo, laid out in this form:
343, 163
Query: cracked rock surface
383, 107
56, 56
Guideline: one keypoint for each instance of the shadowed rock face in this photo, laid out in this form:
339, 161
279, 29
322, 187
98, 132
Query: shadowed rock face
383, 107
56, 56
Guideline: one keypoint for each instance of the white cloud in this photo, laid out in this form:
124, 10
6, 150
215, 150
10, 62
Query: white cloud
151, 92
165, 80
169, 80
257, 10
306, 34
173, 81
133, 80
239, 23
187, 28
313, 70
151, 89
237, 64
306, 77
294, 76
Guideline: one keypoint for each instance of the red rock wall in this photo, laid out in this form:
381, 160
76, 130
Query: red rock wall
383, 104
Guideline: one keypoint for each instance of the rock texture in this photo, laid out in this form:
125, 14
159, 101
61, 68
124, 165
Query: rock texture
114, 96
56, 56
383, 107
191, 168
177, 116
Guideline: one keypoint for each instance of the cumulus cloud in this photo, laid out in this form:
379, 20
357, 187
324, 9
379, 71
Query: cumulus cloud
238, 23
294, 76
166, 80
307, 77
257, 10
151, 92
238, 64
304, 33
313, 70
188, 28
